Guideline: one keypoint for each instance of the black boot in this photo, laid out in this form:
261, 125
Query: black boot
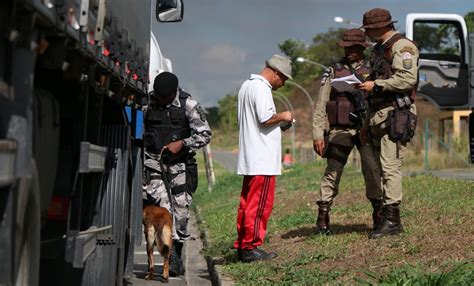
322, 224
176, 263
391, 222
377, 214
255, 255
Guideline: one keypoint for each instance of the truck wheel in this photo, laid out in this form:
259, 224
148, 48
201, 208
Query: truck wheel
29, 240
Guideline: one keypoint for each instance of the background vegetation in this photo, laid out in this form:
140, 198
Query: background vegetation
324, 49
437, 247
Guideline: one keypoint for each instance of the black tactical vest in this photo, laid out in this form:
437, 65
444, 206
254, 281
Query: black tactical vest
381, 63
164, 125
340, 105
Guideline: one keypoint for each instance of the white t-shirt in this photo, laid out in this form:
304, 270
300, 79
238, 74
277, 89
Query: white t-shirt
259, 145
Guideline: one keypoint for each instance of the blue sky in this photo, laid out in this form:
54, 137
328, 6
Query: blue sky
221, 42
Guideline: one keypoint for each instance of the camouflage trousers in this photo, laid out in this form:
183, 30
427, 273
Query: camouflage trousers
155, 192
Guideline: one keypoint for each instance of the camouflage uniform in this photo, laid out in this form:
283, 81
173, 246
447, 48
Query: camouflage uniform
154, 189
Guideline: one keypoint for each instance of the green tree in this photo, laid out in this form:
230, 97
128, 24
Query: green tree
469, 18
294, 49
212, 116
228, 112
323, 49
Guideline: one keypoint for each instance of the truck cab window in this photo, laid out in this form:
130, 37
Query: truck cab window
166, 5
442, 71
438, 41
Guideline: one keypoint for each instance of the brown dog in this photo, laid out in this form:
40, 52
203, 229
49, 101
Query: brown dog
158, 226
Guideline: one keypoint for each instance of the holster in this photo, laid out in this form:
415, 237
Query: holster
402, 125
191, 175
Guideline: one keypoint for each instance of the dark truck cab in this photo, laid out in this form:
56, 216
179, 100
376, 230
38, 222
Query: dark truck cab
70, 155
446, 65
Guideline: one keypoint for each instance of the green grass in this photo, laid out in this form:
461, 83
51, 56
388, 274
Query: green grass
436, 248
461, 274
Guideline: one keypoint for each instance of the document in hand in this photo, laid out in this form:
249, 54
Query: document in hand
345, 83
350, 79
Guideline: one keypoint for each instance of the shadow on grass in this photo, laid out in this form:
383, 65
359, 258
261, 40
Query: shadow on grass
336, 229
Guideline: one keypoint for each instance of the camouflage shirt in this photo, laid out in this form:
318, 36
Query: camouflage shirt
200, 134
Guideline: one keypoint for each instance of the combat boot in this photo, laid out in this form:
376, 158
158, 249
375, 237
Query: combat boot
322, 223
377, 214
176, 263
391, 224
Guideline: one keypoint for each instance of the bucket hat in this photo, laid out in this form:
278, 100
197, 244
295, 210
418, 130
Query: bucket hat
377, 18
353, 37
281, 64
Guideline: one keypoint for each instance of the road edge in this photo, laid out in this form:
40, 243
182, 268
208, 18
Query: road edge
218, 278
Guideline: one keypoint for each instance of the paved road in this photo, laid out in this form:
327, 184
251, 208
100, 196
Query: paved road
195, 264
227, 159
463, 174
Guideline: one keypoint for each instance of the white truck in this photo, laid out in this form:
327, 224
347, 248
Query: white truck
446, 62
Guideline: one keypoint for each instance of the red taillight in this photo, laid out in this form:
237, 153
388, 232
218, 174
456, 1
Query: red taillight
105, 51
58, 208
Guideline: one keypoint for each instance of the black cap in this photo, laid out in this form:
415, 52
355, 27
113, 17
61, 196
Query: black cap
165, 84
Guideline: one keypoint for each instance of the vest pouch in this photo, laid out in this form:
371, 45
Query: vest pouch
402, 125
344, 107
191, 177
331, 111
151, 141
177, 119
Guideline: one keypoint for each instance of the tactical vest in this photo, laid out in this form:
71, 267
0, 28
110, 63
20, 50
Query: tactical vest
340, 105
381, 63
164, 125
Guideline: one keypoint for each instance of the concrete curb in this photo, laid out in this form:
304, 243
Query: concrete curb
214, 265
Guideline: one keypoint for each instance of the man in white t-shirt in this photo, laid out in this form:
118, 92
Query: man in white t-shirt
259, 159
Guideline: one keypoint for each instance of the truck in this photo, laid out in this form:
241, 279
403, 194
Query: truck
446, 63
74, 75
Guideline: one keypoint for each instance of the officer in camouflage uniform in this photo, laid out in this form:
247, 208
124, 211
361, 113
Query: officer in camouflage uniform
175, 127
344, 107
392, 118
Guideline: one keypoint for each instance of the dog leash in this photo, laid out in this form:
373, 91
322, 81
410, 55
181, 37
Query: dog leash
166, 180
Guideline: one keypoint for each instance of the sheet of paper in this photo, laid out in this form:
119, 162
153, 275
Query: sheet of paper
343, 86
350, 79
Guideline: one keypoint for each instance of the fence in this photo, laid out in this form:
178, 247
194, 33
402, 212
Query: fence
426, 151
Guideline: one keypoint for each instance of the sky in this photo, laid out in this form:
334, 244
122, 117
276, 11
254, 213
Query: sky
221, 42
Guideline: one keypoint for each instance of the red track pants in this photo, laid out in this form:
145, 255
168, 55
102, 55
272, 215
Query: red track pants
256, 203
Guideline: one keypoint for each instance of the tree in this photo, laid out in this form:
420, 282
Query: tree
212, 116
469, 18
323, 49
228, 112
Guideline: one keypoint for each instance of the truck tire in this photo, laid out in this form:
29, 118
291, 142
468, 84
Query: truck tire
27, 272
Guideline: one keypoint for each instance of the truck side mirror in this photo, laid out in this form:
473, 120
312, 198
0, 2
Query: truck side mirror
169, 10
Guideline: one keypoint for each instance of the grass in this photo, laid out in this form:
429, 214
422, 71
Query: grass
436, 248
